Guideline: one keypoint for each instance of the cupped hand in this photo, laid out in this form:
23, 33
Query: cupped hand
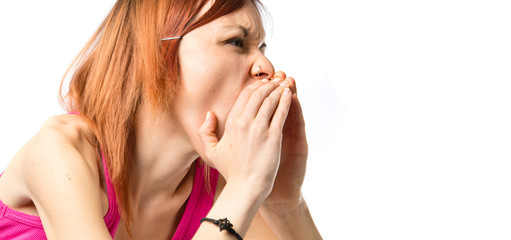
249, 151
288, 183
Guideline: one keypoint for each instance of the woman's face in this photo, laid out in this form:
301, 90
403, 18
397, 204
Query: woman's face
218, 60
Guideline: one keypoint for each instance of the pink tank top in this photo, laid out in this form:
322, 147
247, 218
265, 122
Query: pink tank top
17, 225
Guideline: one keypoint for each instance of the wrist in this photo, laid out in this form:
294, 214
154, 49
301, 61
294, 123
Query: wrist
238, 203
283, 206
290, 220
251, 193
251, 186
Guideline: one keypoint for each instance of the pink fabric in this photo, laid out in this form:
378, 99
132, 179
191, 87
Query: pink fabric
199, 203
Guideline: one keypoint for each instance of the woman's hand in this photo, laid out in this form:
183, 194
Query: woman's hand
248, 155
262, 153
286, 191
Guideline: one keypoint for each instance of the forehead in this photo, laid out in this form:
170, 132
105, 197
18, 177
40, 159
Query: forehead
247, 17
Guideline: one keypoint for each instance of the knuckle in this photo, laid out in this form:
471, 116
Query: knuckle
229, 121
260, 128
281, 116
242, 124
278, 118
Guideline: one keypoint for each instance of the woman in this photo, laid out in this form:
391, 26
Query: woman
162, 91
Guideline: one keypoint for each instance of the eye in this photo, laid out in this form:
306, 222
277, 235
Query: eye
238, 42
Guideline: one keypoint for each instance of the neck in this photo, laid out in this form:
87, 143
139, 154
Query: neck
163, 157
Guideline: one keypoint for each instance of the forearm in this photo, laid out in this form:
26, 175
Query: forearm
290, 221
238, 204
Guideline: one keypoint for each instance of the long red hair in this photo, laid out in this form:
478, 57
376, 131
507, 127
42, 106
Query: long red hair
125, 64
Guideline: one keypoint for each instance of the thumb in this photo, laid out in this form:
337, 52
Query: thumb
207, 134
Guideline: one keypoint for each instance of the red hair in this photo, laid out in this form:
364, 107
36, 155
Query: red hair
125, 64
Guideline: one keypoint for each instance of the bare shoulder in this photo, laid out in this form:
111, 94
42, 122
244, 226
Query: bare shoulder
62, 138
59, 136
68, 127
56, 176
61, 146
62, 176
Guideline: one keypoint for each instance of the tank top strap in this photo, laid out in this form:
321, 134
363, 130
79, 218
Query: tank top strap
199, 202
112, 216
109, 184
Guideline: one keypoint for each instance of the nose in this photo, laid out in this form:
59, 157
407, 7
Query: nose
262, 68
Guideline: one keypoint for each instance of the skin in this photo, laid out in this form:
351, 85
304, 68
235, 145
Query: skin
253, 135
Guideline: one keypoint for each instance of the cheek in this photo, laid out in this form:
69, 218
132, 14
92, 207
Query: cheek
218, 98
215, 92
209, 81
212, 76
206, 70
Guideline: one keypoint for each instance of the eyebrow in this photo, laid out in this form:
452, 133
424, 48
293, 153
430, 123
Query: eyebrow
245, 32
244, 29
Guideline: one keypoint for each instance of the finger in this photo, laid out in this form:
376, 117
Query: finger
269, 105
292, 84
277, 122
258, 97
207, 134
279, 74
295, 119
296, 107
244, 96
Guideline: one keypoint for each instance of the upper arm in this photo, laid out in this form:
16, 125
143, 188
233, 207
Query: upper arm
64, 187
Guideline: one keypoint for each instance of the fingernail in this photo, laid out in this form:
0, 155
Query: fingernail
208, 116
276, 80
284, 84
265, 80
287, 91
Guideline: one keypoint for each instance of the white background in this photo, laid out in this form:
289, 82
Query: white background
407, 103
